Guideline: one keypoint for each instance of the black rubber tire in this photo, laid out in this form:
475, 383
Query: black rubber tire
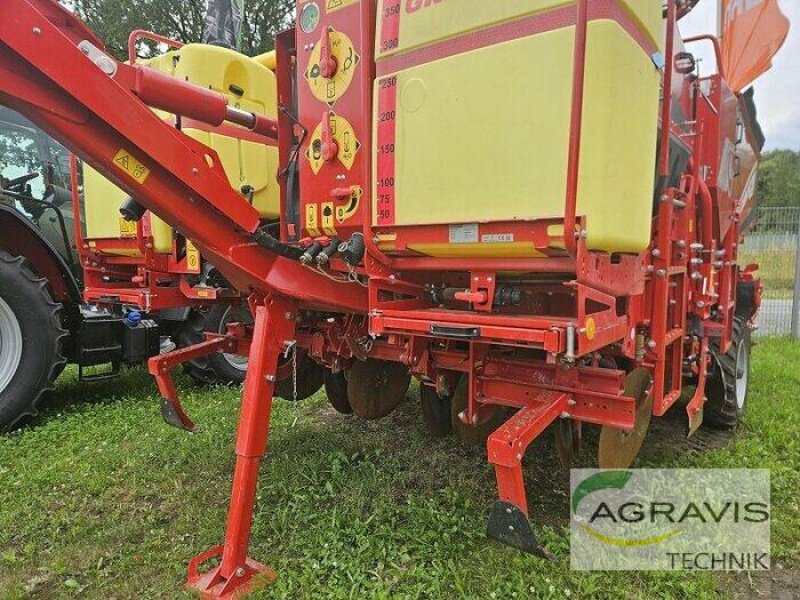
336, 390
191, 333
435, 411
723, 407
42, 359
309, 381
224, 371
212, 369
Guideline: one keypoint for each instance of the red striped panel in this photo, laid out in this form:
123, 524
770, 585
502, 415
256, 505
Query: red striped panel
386, 150
506, 32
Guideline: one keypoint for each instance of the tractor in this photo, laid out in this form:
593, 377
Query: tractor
533, 207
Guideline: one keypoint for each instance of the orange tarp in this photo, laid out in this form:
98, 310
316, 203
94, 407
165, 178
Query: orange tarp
752, 33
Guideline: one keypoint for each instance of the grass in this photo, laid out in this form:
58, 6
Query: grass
99, 499
776, 269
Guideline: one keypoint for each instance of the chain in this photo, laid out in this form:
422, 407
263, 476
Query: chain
291, 346
294, 374
294, 385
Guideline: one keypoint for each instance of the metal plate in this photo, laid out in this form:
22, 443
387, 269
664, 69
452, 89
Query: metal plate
472, 434
618, 449
377, 387
336, 390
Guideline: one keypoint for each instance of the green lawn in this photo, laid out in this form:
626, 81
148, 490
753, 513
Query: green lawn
100, 499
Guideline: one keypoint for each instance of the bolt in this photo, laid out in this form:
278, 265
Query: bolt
565, 415
656, 252
696, 275
661, 273
511, 528
240, 572
195, 171
289, 316
508, 511
519, 456
474, 419
681, 244
270, 378
651, 344
701, 304
571, 402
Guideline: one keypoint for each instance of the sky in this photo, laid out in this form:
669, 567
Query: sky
778, 90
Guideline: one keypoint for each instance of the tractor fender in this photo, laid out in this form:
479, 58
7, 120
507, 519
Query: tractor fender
21, 237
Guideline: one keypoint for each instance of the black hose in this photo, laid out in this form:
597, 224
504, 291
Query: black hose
266, 241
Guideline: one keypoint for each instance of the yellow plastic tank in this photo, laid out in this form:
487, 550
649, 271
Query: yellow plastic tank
482, 125
248, 85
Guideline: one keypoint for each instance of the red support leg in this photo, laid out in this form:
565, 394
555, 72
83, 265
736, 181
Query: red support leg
274, 325
508, 520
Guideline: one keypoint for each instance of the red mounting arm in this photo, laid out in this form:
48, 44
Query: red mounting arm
89, 103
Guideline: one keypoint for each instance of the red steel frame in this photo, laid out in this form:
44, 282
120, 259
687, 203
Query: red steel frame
546, 365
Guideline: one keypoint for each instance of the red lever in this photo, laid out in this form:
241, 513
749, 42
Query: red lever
330, 149
327, 62
341, 192
472, 297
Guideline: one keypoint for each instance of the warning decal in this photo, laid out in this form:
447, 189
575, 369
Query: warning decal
334, 5
346, 211
312, 223
192, 257
127, 229
327, 219
345, 138
342, 49
128, 163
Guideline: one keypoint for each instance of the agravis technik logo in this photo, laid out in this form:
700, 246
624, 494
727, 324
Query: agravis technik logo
670, 519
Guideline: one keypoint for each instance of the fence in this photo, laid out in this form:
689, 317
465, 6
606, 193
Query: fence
775, 245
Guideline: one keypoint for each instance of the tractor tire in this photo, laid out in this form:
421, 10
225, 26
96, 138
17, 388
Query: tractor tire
218, 368
31, 340
728, 383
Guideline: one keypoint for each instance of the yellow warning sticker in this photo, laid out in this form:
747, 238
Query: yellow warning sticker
346, 211
345, 137
342, 49
128, 163
328, 226
192, 257
127, 229
334, 5
312, 224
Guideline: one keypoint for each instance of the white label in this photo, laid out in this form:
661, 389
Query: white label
464, 234
497, 238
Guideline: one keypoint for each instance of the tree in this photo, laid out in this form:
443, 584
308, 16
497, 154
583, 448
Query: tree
779, 178
183, 20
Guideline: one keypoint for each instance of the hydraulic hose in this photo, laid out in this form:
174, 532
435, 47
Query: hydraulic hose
266, 241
